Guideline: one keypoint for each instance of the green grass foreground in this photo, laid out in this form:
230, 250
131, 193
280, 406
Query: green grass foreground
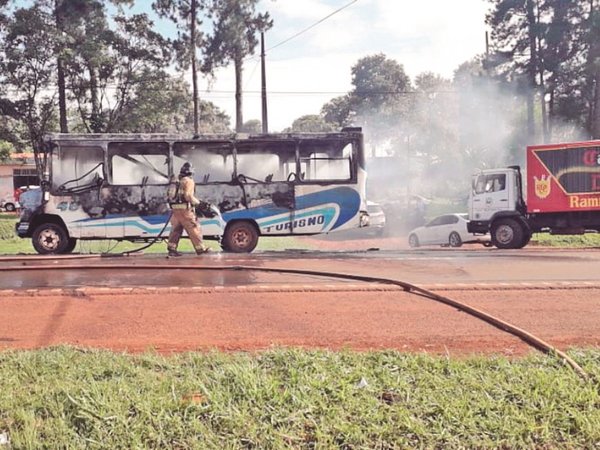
285, 398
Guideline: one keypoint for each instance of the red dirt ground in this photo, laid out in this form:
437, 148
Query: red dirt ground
248, 321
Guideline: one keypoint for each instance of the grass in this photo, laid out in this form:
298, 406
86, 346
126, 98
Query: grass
577, 241
69, 398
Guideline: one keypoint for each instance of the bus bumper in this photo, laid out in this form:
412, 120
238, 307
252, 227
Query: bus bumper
22, 229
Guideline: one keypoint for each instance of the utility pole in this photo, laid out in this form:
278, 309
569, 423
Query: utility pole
194, 72
265, 123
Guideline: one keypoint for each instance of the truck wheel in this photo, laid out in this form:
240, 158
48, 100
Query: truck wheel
240, 237
507, 233
9, 207
454, 239
526, 238
50, 239
413, 241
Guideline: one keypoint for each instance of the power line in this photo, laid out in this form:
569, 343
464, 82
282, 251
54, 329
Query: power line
312, 26
285, 41
223, 92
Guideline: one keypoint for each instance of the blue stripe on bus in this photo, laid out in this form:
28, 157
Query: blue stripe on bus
328, 213
346, 198
139, 224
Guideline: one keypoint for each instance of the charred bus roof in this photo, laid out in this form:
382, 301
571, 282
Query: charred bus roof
233, 137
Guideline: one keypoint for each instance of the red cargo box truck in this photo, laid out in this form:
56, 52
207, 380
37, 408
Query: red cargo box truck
563, 195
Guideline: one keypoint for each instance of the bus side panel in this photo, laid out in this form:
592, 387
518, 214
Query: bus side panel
318, 209
258, 202
80, 221
322, 209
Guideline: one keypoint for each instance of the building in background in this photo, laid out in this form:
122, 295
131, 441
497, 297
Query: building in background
16, 172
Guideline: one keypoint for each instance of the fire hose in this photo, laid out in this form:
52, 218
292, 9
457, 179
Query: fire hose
525, 336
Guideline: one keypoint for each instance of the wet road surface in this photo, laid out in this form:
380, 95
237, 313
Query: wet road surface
425, 267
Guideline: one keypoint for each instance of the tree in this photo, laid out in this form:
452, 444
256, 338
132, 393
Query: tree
6, 149
185, 14
338, 111
253, 126
515, 31
379, 100
109, 66
310, 123
552, 43
27, 69
163, 106
235, 24
593, 68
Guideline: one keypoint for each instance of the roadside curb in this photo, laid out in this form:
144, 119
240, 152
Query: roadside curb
331, 287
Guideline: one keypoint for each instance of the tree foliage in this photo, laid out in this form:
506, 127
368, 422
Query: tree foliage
233, 37
310, 123
551, 46
113, 67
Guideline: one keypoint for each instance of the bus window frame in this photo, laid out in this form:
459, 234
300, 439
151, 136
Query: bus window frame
230, 148
84, 145
169, 155
290, 149
352, 162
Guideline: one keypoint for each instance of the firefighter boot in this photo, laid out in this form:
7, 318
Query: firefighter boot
174, 253
202, 250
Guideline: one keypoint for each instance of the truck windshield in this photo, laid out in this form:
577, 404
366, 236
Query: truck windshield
490, 183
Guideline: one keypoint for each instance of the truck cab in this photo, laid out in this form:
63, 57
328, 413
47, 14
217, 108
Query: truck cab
496, 206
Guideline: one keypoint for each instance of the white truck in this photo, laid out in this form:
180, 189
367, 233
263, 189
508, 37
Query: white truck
563, 195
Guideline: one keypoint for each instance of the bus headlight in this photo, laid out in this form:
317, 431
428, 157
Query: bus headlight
364, 219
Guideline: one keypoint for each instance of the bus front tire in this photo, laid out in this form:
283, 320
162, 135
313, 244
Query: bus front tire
240, 237
50, 239
71, 246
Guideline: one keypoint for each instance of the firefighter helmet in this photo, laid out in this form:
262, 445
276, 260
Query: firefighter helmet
186, 170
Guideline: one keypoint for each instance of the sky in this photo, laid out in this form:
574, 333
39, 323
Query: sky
314, 67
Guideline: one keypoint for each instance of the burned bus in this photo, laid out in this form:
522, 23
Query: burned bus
114, 186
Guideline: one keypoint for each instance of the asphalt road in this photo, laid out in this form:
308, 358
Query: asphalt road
429, 267
190, 303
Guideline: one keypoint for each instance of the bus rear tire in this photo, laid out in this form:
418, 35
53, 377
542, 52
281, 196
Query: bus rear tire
50, 239
240, 237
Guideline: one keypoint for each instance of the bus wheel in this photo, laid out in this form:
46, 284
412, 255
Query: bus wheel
71, 246
240, 237
49, 238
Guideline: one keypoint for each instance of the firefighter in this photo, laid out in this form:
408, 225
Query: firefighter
183, 204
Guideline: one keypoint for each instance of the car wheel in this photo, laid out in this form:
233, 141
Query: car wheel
240, 237
413, 241
50, 239
454, 239
9, 207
